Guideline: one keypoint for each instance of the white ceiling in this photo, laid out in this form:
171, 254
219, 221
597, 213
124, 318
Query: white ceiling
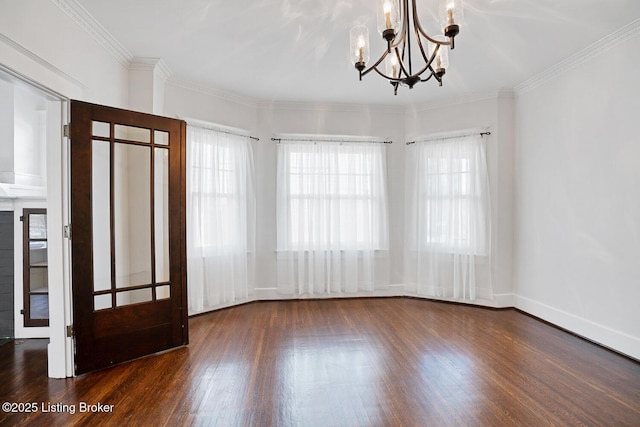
298, 50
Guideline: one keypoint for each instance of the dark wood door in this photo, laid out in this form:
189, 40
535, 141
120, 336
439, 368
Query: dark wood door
128, 234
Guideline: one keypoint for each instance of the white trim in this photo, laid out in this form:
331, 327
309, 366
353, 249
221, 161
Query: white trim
89, 24
461, 100
592, 331
603, 335
271, 294
592, 51
40, 61
330, 106
217, 93
150, 64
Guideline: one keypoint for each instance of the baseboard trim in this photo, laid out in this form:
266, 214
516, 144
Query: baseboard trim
604, 336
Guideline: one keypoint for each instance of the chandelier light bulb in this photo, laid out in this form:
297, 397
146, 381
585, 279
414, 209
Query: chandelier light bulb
359, 41
392, 65
388, 18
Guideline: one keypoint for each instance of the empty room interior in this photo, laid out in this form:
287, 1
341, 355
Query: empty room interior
347, 212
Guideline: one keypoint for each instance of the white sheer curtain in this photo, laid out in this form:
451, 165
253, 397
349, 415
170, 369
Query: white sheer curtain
220, 218
448, 217
331, 217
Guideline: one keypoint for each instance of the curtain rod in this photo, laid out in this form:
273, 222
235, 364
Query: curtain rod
278, 140
450, 137
228, 132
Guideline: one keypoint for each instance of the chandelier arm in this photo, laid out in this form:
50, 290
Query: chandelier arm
425, 57
403, 29
393, 79
430, 75
406, 17
401, 63
418, 26
368, 70
427, 61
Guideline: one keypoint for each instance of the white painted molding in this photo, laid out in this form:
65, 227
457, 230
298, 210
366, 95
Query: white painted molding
588, 53
334, 107
151, 64
40, 61
217, 93
464, 99
88, 23
592, 331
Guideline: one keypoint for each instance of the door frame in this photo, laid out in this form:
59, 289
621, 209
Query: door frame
60, 349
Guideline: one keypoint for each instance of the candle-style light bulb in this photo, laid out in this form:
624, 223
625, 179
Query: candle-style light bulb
386, 8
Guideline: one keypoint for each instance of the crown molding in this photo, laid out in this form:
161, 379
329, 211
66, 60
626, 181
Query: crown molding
151, 64
330, 106
460, 100
218, 93
588, 53
41, 61
88, 23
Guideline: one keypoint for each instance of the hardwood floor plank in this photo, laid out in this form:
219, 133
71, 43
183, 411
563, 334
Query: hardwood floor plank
349, 362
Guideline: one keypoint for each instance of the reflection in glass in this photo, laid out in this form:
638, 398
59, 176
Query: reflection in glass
100, 206
100, 302
163, 292
39, 306
133, 297
161, 213
37, 226
38, 253
132, 214
161, 137
38, 280
130, 133
101, 129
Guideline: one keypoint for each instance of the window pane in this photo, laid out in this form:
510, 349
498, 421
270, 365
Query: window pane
130, 133
132, 214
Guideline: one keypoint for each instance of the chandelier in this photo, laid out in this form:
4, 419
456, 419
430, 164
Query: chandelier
396, 26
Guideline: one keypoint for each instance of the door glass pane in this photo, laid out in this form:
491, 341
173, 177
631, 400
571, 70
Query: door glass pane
161, 137
132, 214
39, 306
161, 213
38, 280
131, 133
100, 207
163, 292
100, 302
133, 297
37, 226
38, 254
101, 129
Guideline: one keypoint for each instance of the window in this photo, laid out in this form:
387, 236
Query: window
331, 196
219, 190
220, 218
453, 199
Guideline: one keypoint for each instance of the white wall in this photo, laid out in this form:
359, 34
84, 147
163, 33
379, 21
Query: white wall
42, 42
577, 261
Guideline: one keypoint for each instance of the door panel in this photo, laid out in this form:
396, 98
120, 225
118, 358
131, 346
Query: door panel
128, 244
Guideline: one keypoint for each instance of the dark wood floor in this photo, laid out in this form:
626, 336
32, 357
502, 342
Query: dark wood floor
368, 362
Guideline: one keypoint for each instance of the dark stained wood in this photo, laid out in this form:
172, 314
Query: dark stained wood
33, 315
350, 362
111, 336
